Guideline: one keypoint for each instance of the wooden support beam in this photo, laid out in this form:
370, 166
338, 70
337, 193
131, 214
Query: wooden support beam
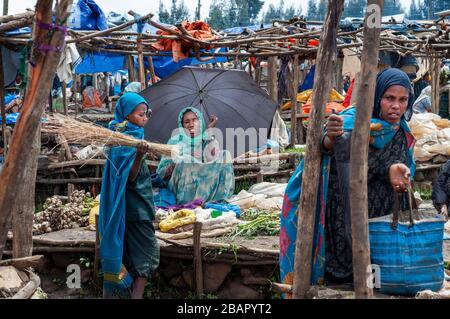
131, 69
294, 104
24, 262
326, 58
198, 258
15, 173
2, 105
273, 76
64, 93
359, 153
152, 69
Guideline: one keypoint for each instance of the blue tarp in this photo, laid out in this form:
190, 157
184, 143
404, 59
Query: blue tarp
239, 30
101, 62
309, 80
87, 15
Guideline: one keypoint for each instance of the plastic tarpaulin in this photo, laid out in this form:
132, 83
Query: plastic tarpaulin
87, 15
165, 66
101, 62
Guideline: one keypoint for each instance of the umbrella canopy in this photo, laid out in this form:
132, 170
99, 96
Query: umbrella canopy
245, 111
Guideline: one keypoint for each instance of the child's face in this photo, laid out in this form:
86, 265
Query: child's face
139, 115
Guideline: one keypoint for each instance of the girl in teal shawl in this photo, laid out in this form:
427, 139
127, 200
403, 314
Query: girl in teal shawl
201, 170
390, 165
129, 251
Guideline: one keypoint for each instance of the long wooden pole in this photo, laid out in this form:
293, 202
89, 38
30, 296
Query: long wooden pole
5, 7
296, 76
273, 74
14, 172
359, 153
326, 58
2, 105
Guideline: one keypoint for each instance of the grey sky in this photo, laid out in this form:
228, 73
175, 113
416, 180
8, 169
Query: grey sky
146, 6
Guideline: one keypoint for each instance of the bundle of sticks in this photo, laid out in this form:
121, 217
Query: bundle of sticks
87, 133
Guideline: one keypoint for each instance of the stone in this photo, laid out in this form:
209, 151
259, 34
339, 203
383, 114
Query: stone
10, 278
189, 278
178, 282
173, 268
234, 289
214, 275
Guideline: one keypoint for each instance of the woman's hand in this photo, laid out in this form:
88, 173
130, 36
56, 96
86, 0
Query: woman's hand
399, 177
334, 128
212, 121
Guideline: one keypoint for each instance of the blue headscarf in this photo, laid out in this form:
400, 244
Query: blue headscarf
124, 107
112, 200
386, 79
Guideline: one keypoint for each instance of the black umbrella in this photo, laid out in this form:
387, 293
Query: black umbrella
243, 108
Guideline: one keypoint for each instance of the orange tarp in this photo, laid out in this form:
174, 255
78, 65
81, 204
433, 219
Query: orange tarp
180, 48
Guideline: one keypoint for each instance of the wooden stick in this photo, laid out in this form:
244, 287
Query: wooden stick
84, 180
14, 17
24, 262
110, 30
326, 56
29, 289
56, 249
198, 258
358, 157
273, 75
97, 252
295, 83
152, 69
2, 106
16, 24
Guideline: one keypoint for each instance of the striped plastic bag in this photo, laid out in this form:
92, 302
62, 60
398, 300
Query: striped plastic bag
407, 246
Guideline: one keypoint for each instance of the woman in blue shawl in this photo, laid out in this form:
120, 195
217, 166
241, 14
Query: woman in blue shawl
201, 171
128, 247
390, 166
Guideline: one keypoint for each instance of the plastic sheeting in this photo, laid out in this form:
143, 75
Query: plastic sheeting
101, 62
87, 15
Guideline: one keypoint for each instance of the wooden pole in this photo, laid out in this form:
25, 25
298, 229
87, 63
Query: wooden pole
273, 75
359, 154
258, 71
141, 63
152, 69
198, 258
14, 172
294, 104
435, 84
5, 7
131, 70
2, 105
326, 58
64, 93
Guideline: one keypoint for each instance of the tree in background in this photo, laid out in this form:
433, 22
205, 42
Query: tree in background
414, 11
354, 8
428, 8
322, 10
163, 14
312, 10
280, 12
392, 7
217, 19
197, 10
178, 12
